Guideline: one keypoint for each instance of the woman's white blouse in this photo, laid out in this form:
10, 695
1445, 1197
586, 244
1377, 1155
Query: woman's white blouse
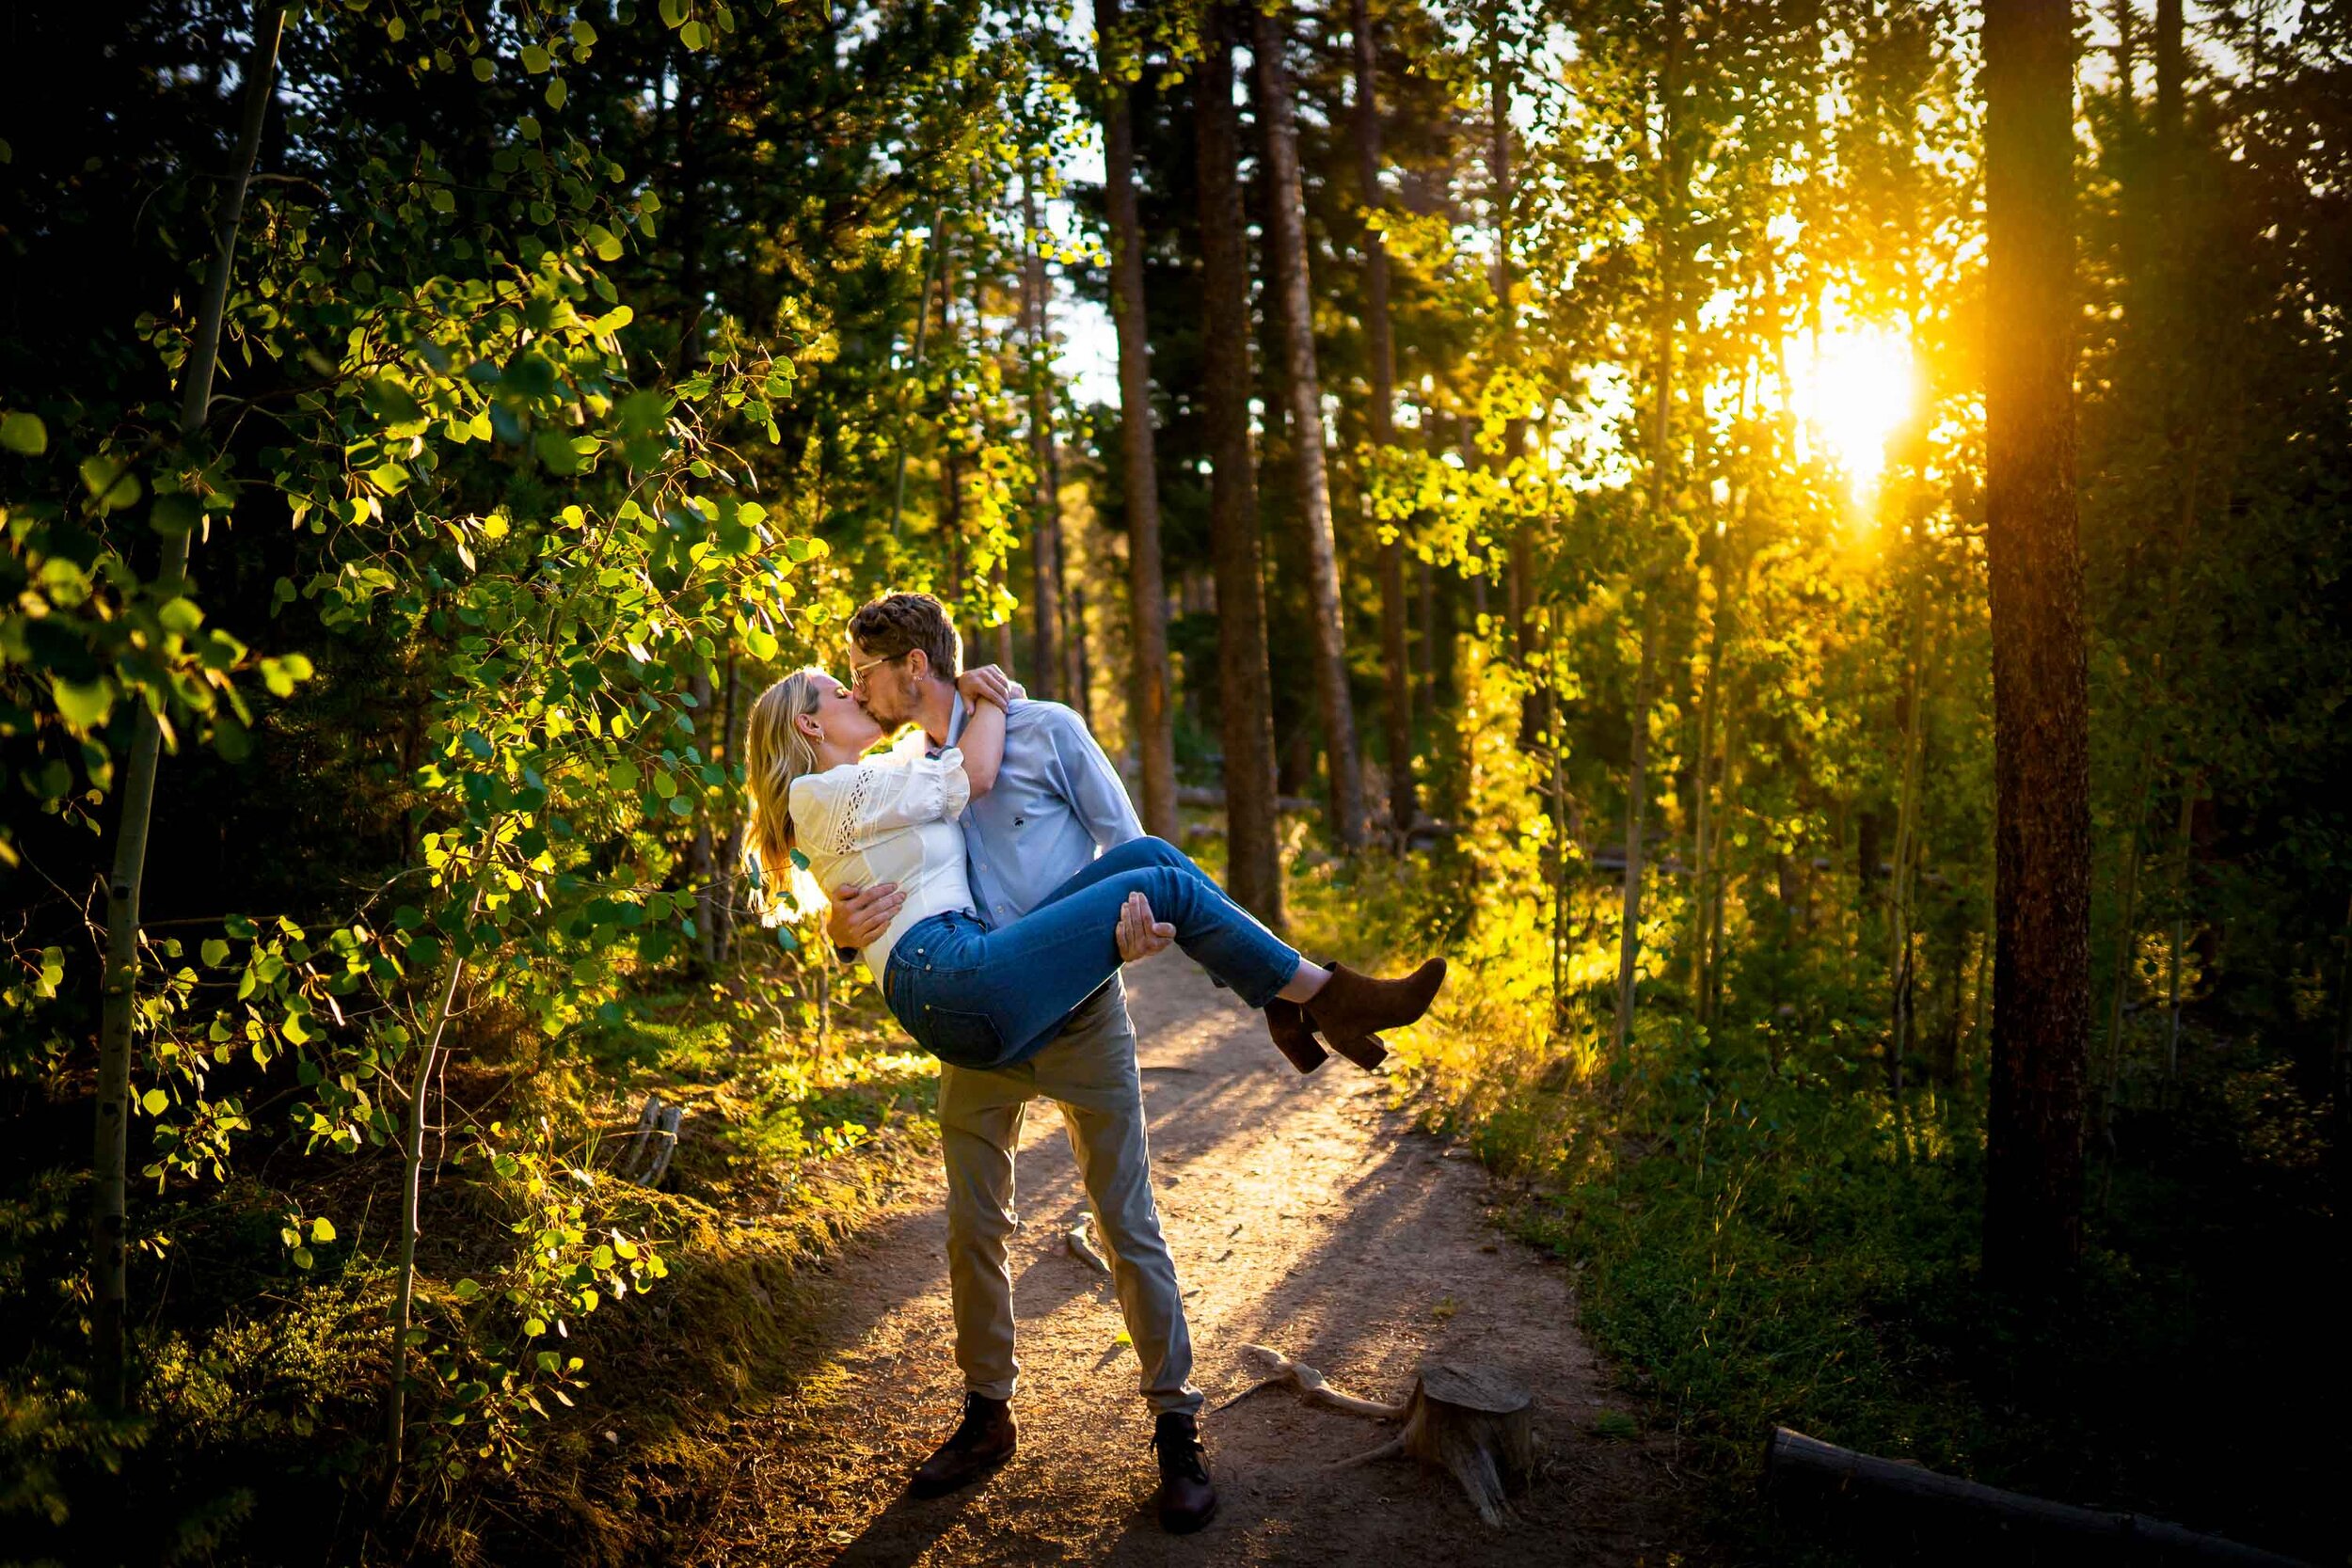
892, 819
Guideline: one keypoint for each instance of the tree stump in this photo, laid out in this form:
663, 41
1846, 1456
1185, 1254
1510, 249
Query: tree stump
1476, 1422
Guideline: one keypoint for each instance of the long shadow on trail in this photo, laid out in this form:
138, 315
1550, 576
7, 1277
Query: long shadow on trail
1302, 1215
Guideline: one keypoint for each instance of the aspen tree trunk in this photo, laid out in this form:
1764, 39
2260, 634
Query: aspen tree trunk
1153, 722
731, 847
1246, 688
1287, 241
1381, 351
702, 861
1519, 572
110, 1145
404, 1274
2042, 841
1045, 533
1671, 197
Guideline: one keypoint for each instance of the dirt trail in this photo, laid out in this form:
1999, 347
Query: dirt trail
1302, 1215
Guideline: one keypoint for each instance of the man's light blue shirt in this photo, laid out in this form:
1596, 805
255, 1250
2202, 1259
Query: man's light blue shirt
1057, 802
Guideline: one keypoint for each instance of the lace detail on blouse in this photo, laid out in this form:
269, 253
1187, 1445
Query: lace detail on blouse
850, 810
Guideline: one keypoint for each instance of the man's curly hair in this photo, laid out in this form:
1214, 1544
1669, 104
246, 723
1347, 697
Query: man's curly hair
893, 626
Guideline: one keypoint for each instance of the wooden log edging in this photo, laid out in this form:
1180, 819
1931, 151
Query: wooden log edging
1796, 1467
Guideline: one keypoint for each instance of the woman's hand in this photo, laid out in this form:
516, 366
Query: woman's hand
989, 684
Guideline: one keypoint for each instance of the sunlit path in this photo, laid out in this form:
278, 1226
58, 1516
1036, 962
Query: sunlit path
1302, 1215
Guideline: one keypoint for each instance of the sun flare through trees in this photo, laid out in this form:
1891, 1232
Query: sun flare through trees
1804, 546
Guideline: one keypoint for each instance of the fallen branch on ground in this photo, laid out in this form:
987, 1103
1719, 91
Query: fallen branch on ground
1957, 1516
1310, 1384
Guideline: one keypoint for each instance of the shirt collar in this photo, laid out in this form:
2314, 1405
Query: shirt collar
956, 717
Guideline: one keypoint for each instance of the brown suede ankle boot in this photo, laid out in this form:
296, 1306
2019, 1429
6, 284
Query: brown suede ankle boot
1351, 1007
1293, 1036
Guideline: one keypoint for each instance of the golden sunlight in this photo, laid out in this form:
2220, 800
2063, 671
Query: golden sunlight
1851, 384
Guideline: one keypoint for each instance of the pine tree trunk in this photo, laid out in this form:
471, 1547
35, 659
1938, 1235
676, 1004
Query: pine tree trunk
1246, 688
1286, 241
2042, 842
933, 249
2127, 920
1381, 352
1702, 815
1150, 719
110, 1146
1903, 970
1045, 533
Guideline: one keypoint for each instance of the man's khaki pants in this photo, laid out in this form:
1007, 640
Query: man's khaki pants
1090, 1070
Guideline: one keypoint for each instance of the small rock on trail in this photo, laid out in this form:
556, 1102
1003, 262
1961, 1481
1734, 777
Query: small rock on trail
1303, 1215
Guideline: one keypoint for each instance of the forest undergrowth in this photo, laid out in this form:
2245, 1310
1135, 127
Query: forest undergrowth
1760, 1233
257, 1442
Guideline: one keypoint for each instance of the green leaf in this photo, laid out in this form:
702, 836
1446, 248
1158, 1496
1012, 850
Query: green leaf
483, 69
155, 1102
302, 1258
322, 1229
215, 953
280, 674
607, 245
557, 92
84, 707
110, 481
693, 34
466, 1290
535, 59
23, 433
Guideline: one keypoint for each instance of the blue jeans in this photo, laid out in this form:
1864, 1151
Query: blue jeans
979, 998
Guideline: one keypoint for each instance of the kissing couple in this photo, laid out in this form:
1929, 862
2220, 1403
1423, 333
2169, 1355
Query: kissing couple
992, 873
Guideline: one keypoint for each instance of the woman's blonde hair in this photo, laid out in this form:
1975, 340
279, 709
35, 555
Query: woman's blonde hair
775, 753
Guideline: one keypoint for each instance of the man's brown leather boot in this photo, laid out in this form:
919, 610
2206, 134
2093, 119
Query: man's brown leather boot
983, 1440
1351, 1007
1187, 1499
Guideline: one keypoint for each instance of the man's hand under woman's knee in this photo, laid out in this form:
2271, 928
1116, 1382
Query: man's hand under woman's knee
1140, 935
